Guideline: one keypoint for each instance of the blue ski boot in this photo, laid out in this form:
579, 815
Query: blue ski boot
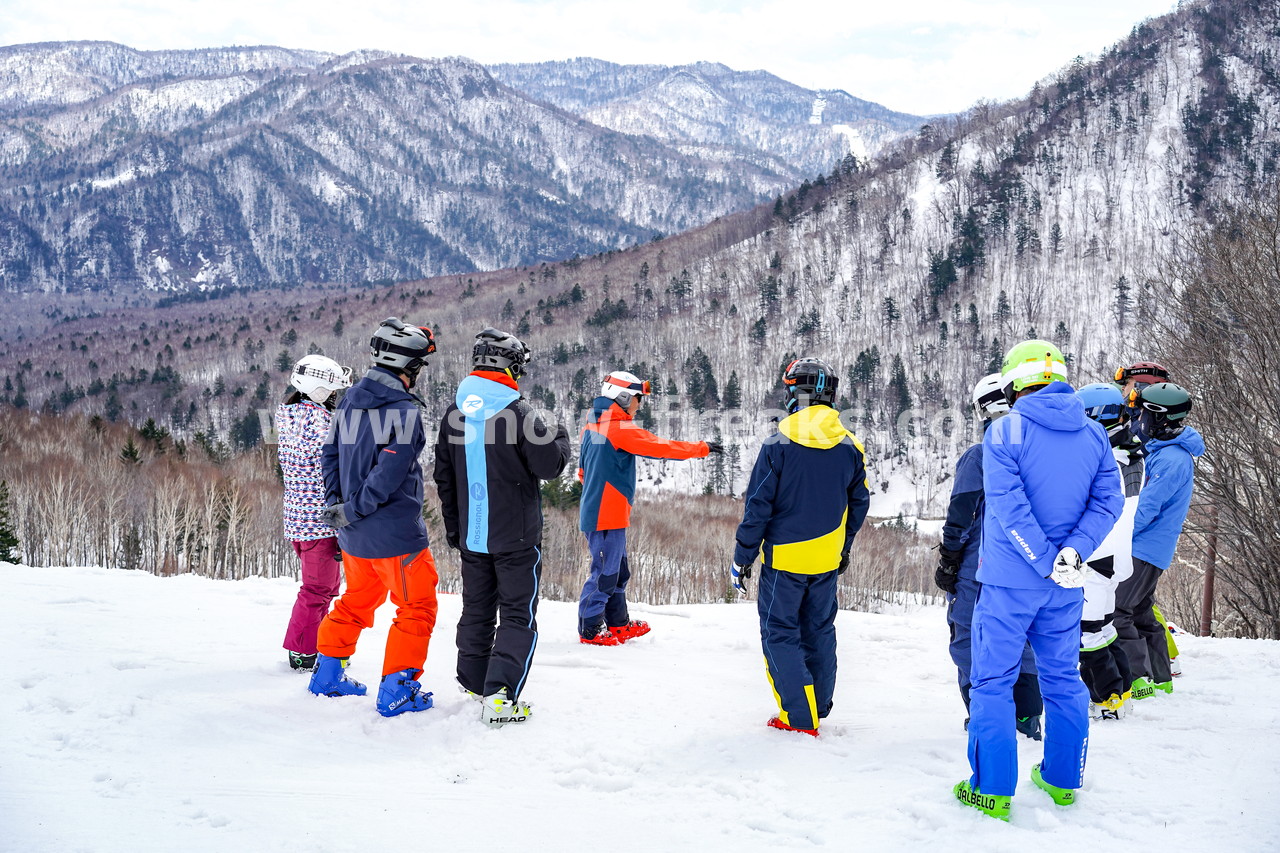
330, 680
400, 693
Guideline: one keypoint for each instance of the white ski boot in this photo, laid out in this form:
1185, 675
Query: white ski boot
498, 710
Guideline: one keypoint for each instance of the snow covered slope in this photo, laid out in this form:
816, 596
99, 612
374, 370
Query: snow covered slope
157, 714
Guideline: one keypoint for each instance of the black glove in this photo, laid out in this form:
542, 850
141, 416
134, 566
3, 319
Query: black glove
844, 563
714, 447
335, 516
451, 539
948, 570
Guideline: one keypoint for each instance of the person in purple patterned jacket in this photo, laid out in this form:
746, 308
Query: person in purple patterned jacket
302, 424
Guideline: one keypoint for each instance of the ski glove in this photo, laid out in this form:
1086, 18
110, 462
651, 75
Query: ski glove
714, 447
948, 570
844, 563
1068, 569
335, 516
740, 575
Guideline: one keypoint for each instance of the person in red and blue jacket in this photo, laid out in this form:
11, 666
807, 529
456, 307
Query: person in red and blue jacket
1052, 494
302, 423
492, 452
807, 498
373, 484
611, 441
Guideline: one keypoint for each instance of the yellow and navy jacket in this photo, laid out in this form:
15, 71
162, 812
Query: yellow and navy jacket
807, 497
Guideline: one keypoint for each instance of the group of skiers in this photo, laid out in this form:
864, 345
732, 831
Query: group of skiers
1060, 525
354, 497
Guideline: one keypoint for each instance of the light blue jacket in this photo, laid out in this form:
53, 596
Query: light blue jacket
1162, 506
1050, 482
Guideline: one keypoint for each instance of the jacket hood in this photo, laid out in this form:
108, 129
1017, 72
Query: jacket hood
1055, 406
1189, 440
481, 399
814, 426
604, 409
378, 388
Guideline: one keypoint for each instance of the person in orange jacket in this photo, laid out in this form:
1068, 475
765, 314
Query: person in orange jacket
611, 441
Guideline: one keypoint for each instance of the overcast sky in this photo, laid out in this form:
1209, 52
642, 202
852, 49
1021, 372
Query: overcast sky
918, 56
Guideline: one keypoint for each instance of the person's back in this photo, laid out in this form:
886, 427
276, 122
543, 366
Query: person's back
1166, 497
1053, 493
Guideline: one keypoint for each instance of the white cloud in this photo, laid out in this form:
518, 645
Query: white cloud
918, 56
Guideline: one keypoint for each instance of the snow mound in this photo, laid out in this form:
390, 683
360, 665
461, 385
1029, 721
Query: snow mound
157, 714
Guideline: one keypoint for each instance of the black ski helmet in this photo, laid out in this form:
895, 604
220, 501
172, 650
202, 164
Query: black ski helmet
501, 352
809, 381
1162, 407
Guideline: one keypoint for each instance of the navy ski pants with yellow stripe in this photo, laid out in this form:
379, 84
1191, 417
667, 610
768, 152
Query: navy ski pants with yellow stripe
798, 633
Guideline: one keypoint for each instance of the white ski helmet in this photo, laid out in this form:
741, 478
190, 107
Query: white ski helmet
989, 399
621, 386
318, 376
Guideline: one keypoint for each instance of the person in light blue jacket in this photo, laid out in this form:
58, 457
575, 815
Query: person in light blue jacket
1052, 493
1171, 448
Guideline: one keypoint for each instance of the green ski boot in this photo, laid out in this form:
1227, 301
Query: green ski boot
1166, 686
1061, 796
1143, 688
992, 806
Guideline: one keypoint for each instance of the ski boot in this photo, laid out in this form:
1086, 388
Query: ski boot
329, 679
299, 662
1114, 707
603, 637
629, 631
1061, 796
400, 692
1175, 668
469, 693
1166, 686
776, 723
1143, 688
497, 710
992, 806
1030, 726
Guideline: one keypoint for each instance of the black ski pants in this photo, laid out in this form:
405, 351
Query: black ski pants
498, 629
1105, 671
1142, 637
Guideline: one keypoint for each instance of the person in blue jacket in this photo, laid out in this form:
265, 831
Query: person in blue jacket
806, 500
492, 454
1052, 493
1171, 447
957, 569
373, 488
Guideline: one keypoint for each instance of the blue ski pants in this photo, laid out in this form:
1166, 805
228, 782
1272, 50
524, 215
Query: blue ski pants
798, 633
1004, 620
1026, 690
604, 595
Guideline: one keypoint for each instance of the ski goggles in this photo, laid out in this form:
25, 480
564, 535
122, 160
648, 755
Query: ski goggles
1142, 373
643, 387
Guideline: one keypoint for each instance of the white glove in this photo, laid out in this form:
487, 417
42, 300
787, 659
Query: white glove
739, 576
1068, 569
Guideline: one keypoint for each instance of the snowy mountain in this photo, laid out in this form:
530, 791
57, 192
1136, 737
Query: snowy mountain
709, 107
149, 714
249, 167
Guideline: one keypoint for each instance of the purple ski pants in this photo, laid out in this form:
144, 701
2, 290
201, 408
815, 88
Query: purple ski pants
321, 573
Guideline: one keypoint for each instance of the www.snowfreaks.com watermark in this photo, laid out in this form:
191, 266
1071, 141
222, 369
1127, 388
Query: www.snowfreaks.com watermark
943, 428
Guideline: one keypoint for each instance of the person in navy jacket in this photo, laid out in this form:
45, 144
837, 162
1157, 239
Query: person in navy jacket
1052, 493
957, 573
373, 487
492, 452
806, 500
1172, 448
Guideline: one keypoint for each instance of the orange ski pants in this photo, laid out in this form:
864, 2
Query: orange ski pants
411, 581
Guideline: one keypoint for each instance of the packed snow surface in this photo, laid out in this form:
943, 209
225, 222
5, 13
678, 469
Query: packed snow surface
156, 714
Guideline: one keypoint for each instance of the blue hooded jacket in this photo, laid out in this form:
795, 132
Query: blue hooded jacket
370, 464
1050, 482
1163, 504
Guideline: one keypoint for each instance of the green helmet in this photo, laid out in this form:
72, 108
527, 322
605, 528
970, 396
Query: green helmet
1161, 407
1031, 363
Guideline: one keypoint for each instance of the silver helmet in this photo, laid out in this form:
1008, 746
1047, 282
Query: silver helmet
402, 347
